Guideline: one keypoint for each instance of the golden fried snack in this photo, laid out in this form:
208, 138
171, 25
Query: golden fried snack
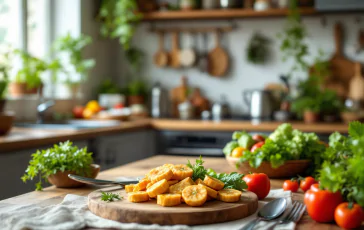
229, 195
170, 166
129, 187
181, 172
141, 186
213, 183
194, 195
168, 200
210, 192
178, 188
198, 180
159, 187
159, 173
137, 197
172, 182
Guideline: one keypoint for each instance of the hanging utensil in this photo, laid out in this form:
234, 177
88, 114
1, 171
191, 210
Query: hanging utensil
188, 56
202, 59
218, 59
161, 57
174, 55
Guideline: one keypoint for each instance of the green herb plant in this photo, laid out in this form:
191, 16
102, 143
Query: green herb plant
4, 72
73, 47
231, 180
258, 51
61, 157
109, 87
342, 169
110, 197
137, 88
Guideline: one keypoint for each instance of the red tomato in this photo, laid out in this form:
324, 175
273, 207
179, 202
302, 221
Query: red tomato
306, 183
119, 106
321, 204
348, 218
258, 183
258, 138
290, 185
257, 146
78, 111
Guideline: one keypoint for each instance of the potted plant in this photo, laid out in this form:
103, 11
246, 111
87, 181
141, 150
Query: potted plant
73, 47
110, 95
28, 77
3, 85
54, 165
331, 105
136, 91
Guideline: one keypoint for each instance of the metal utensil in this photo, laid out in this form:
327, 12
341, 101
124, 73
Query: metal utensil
100, 182
202, 59
260, 103
269, 211
294, 215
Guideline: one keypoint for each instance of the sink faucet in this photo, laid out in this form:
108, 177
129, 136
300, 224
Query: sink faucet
42, 108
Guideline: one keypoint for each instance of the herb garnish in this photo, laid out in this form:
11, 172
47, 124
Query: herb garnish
110, 197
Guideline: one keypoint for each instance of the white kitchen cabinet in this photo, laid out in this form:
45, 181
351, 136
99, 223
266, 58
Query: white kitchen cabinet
118, 149
12, 168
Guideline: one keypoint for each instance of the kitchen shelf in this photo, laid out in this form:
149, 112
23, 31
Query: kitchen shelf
221, 14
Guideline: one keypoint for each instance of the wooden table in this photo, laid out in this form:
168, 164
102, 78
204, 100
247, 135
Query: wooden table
54, 195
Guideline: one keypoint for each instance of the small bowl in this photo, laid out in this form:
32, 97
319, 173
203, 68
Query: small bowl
288, 170
61, 180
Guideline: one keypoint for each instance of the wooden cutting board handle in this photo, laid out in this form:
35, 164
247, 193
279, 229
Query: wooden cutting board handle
174, 41
161, 41
338, 39
217, 38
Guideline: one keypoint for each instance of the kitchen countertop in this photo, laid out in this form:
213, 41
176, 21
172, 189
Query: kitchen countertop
22, 138
52, 195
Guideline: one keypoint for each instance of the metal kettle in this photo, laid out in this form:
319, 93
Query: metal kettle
260, 103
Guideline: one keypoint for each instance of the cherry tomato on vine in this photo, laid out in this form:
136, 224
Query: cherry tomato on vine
258, 138
257, 146
349, 216
306, 183
290, 185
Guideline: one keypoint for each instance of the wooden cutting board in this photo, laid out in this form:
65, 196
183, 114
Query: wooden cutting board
218, 59
151, 213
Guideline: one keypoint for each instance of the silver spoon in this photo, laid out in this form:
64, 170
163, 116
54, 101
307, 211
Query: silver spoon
100, 182
269, 211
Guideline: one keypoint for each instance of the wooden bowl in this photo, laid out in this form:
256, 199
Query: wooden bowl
6, 122
288, 170
61, 180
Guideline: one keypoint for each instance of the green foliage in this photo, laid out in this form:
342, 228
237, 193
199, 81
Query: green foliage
109, 87
119, 19
343, 169
284, 144
31, 71
245, 140
110, 197
74, 46
137, 88
62, 157
231, 180
4, 73
258, 51
229, 147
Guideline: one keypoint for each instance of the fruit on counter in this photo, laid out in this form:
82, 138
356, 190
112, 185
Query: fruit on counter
291, 185
93, 106
77, 111
87, 113
258, 138
305, 183
258, 183
238, 152
257, 146
119, 106
349, 215
321, 204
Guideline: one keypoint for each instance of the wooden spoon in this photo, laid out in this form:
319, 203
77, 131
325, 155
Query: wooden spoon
218, 60
174, 55
161, 57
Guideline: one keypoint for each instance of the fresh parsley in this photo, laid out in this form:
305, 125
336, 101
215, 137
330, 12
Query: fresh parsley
62, 157
232, 180
110, 197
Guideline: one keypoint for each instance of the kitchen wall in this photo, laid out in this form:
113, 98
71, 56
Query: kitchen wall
242, 75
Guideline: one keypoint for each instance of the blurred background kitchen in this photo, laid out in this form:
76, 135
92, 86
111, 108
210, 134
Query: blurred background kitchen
85, 70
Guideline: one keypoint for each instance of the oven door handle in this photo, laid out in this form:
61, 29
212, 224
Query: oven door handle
196, 151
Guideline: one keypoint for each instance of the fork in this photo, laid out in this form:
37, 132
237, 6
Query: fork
293, 215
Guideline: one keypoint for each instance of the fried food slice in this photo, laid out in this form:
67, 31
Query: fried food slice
172, 182
181, 172
159, 173
159, 187
198, 180
137, 197
129, 187
213, 183
194, 195
170, 166
168, 200
178, 188
210, 192
229, 195
142, 185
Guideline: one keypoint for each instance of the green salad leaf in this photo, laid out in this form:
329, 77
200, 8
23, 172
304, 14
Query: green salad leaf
342, 169
229, 147
232, 180
62, 157
110, 197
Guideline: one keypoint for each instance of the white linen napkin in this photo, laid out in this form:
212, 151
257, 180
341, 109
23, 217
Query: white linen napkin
73, 213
